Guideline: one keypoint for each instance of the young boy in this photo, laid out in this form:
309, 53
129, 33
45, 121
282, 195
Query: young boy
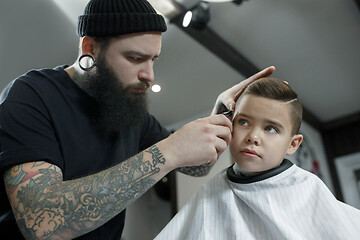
264, 196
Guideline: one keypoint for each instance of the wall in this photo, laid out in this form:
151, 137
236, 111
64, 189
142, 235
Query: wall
341, 138
346, 166
24, 45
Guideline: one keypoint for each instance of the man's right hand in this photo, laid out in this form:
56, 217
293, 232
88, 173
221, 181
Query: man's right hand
197, 143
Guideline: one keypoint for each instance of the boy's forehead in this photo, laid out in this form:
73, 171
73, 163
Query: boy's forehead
261, 106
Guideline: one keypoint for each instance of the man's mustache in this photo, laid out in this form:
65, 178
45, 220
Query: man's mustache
142, 85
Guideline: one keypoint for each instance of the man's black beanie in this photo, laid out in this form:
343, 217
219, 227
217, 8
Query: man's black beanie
115, 17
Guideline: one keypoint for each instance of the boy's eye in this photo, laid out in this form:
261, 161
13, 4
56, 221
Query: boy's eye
271, 129
243, 122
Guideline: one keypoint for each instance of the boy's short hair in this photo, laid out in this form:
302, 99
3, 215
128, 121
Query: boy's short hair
276, 89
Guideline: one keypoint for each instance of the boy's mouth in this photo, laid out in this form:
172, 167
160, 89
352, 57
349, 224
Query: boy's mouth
249, 153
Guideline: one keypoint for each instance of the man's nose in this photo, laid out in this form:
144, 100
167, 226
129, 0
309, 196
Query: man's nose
147, 72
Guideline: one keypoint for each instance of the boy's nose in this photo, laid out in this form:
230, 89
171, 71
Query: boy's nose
253, 138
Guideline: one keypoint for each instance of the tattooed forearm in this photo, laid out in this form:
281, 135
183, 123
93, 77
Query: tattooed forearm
47, 207
156, 155
198, 171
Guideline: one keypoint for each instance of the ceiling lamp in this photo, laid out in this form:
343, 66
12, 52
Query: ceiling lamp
198, 16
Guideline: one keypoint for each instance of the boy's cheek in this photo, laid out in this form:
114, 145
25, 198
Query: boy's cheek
236, 132
233, 146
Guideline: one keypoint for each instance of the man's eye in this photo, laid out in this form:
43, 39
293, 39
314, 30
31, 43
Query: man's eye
271, 129
135, 59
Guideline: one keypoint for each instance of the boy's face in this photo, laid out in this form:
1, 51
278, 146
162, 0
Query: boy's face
262, 133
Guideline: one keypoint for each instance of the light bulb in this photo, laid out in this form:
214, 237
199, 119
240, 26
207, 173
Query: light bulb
156, 88
187, 19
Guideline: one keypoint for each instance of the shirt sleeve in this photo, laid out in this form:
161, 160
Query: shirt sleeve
26, 132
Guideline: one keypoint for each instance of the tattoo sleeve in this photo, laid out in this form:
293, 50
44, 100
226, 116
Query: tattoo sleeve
198, 171
46, 207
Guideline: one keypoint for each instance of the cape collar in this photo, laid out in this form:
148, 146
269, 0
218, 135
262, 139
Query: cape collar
262, 176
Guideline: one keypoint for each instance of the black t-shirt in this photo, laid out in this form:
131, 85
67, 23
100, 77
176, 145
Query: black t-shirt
44, 115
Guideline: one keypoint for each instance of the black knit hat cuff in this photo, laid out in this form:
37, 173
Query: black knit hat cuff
112, 24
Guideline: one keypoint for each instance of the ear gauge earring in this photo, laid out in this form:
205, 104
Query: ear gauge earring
86, 62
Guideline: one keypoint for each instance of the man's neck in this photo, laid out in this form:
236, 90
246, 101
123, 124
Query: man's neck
78, 78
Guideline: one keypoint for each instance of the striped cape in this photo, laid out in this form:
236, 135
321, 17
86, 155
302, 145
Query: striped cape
284, 203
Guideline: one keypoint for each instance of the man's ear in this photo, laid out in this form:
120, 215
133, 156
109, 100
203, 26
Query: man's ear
88, 46
294, 144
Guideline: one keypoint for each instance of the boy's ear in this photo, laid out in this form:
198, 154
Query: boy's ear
295, 143
88, 46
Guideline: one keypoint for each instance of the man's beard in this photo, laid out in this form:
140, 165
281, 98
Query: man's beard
118, 107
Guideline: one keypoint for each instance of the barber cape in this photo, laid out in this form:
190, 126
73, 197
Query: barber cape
283, 203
